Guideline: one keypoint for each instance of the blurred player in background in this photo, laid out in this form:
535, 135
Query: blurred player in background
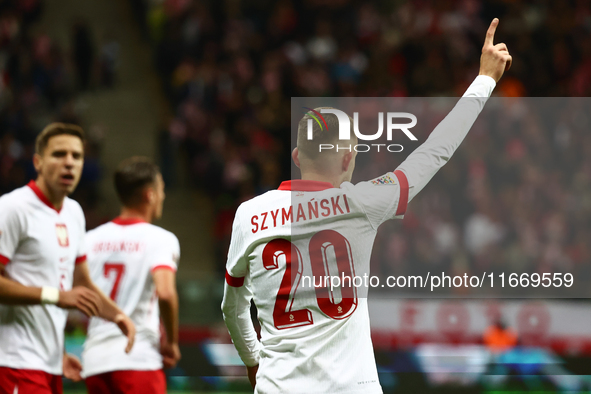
135, 262
319, 346
43, 270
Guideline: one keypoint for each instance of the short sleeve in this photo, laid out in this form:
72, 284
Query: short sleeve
383, 198
165, 253
88, 242
82, 248
11, 229
236, 266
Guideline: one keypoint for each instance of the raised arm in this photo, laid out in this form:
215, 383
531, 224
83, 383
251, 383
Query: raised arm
422, 164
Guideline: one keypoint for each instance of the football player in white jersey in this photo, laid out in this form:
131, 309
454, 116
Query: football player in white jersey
316, 339
135, 262
43, 270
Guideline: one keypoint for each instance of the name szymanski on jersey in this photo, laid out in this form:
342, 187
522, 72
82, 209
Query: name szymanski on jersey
310, 334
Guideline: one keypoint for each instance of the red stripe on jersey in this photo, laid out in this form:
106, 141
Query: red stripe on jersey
127, 221
42, 196
403, 201
80, 259
234, 282
163, 267
304, 186
4, 260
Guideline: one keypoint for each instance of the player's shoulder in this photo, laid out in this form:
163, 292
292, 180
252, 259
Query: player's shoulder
17, 196
73, 206
382, 183
13, 201
105, 228
387, 179
160, 232
158, 235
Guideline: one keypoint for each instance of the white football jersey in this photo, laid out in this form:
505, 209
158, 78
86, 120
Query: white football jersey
315, 339
39, 247
122, 255
304, 332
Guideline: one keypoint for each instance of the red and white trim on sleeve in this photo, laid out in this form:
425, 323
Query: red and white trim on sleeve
4, 260
403, 201
80, 259
234, 282
163, 267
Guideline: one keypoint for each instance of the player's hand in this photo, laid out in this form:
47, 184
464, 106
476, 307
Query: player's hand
171, 354
495, 59
127, 328
252, 375
81, 298
72, 367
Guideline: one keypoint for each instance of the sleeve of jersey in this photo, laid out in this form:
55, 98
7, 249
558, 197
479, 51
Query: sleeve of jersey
237, 297
236, 265
165, 254
81, 254
383, 198
236, 311
422, 164
10, 232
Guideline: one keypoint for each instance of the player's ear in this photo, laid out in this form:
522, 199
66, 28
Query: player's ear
149, 195
37, 162
295, 156
347, 159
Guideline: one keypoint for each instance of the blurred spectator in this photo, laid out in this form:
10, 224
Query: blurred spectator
108, 62
83, 52
499, 339
36, 88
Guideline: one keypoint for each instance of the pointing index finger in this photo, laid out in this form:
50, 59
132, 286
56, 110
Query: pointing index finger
490, 33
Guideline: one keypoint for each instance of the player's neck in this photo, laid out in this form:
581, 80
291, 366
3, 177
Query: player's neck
56, 199
313, 176
142, 213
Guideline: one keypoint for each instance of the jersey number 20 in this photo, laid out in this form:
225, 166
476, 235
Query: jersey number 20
320, 244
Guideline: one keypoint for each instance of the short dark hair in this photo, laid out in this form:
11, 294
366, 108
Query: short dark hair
53, 129
321, 134
132, 176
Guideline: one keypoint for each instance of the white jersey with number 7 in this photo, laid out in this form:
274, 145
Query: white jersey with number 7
315, 339
122, 255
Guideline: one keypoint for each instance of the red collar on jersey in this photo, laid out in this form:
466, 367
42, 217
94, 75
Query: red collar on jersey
42, 196
299, 185
127, 221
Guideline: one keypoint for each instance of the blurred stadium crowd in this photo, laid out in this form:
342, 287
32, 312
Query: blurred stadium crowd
40, 83
230, 68
515, 200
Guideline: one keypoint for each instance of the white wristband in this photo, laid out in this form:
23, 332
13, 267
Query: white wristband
49, 295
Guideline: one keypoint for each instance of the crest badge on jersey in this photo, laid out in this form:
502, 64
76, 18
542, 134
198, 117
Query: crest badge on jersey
62, 235
384, 180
